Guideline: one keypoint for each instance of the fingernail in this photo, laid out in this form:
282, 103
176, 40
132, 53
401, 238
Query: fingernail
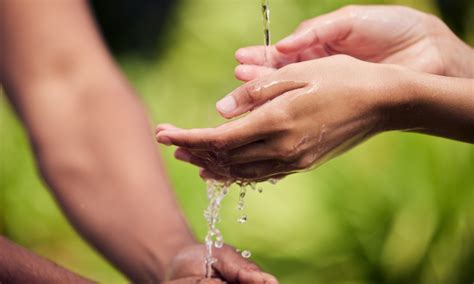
240, 54
242, 70
226, 105
164, 140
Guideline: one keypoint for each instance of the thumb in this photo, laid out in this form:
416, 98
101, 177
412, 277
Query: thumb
235, 269
320, 30
253, 94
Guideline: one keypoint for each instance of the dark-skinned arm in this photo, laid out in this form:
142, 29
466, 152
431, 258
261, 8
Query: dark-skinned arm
90, 135
18, 265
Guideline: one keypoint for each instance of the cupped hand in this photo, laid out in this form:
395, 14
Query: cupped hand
303, 115
381, 34
188, 267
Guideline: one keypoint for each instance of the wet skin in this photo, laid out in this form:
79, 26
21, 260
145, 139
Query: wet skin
306, 113
311, 112
382, 34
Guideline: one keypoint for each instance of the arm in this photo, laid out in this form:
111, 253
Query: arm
431, 104
18, 265
94, 146
304, 114
90, 135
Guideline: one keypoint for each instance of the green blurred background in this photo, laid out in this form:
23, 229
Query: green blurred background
397, 209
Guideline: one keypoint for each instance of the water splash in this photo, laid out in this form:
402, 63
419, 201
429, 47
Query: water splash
216, 191
246, 254
241, 203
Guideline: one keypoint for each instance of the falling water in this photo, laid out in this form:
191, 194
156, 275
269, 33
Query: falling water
266, 28
216, 191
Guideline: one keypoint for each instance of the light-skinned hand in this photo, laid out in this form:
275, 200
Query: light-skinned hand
382, 34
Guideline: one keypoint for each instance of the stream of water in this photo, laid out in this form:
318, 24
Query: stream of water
266, 28
216, 191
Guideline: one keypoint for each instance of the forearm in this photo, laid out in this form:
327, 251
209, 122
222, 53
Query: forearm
431, 104
18, 265
108, 178
95, 150
91, 136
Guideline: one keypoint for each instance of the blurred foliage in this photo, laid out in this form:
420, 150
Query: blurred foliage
459, 15
397, 209
137, 26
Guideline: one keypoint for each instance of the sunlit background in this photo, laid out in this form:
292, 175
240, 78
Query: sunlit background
398, 209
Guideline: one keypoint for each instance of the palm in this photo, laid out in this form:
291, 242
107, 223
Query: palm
230, 266
388, 35
381, 34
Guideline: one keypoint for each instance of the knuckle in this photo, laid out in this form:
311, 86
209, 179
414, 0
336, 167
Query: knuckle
218, 144
283, 71
251, 94
287, 152
304, 24
281, 120
303, 163
350, 9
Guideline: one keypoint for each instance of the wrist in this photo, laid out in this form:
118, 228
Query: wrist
398, 98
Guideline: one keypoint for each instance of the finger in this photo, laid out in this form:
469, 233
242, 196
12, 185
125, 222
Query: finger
165, 126
257, 151
263, 56
250, 72
186, 156
225, 137
214, 171
251, 277
207, 174
254, 94
320, 30
260, 170
195, 280
313, 52
236, 269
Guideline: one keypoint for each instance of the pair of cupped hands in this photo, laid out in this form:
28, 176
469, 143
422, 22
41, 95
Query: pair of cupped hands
324, 89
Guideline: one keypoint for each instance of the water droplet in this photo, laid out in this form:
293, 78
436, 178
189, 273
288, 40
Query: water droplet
219, 243
273, 180
246, 254
241, 203
253, 185
242, 219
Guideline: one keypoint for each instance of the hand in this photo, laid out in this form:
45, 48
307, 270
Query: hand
382, 34
188, 267
307, 113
